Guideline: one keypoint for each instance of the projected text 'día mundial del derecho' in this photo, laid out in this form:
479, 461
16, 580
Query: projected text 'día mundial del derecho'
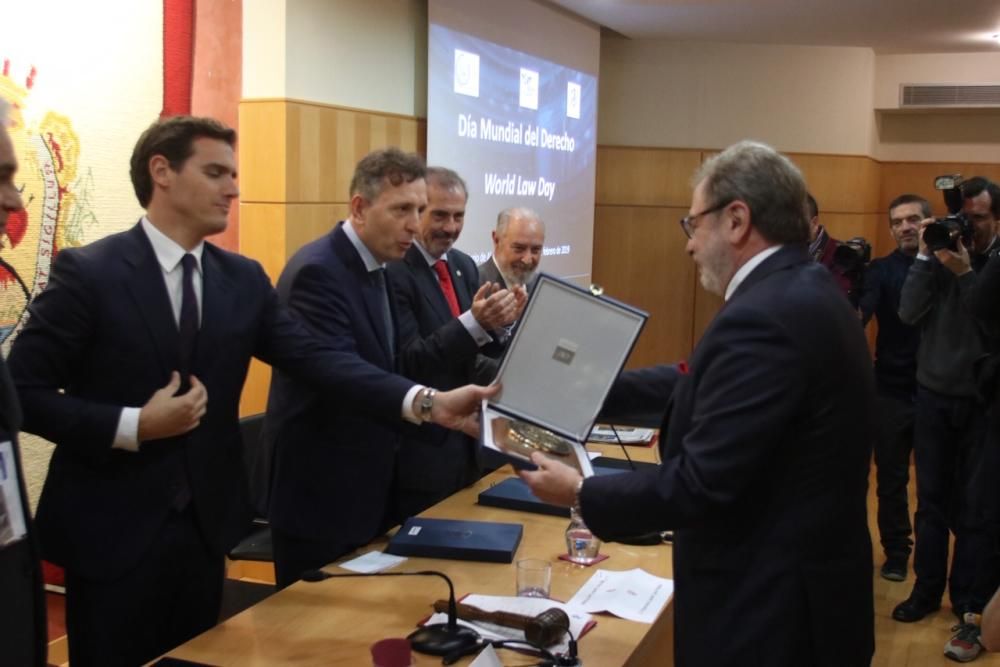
514, 133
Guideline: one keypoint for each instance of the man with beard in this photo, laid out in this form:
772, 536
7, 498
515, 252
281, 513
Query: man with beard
517, 249
444, 320
895, 379
767, 451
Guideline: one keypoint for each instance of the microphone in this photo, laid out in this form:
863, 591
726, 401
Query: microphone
438, 639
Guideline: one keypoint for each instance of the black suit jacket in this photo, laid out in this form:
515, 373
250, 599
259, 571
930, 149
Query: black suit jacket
438, 351
23, 630
333, 465
764, 477
102, 336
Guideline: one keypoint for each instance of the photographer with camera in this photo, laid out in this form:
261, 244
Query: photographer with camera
950, 427
822, 246
895, 380
846, 260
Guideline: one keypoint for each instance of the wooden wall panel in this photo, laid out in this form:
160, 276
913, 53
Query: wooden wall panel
262, 235
325, 143
639, 258
841, 183
645, 176
262, 151
307, 222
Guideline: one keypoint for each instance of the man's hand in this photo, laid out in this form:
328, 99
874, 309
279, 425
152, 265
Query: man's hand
521, 297
166, 415
494, 309
554, 482
458, 409
921, 246
957, 262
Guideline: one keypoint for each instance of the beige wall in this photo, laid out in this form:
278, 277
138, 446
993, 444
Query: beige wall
939, 136
264, 57
702, 95
363, 54
829, 100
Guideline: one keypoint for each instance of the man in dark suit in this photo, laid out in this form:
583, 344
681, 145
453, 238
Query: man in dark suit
518, 241
23, 631
132, 363
333, 464
444, 319
766, 441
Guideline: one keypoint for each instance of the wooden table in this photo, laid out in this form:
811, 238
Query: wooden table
334, 622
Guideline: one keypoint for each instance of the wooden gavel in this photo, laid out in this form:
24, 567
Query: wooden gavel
545, 629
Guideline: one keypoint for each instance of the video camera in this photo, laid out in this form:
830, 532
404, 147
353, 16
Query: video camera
850, 258
945, 232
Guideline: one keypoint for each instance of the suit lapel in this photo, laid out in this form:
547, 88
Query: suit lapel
458, 280
148, 290
367, 288
428, 282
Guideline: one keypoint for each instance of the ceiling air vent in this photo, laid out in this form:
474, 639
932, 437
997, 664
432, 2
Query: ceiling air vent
938, 95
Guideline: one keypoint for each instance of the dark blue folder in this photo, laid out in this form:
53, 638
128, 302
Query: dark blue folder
513, 494
487, 541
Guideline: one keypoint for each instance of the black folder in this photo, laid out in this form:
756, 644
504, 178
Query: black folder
488, 541
514, 494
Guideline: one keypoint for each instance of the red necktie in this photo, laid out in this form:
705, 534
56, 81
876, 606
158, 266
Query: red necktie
441, 269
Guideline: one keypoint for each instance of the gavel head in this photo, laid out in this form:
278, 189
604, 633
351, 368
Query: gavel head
547, 628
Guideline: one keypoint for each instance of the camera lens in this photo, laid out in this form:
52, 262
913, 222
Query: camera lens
941, 234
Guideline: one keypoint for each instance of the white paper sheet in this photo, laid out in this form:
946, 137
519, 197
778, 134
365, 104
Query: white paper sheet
635, 595
373, 561
487, 658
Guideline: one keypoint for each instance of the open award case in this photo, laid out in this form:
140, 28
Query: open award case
566, 351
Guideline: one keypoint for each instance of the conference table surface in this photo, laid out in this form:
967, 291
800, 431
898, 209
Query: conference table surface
335, 621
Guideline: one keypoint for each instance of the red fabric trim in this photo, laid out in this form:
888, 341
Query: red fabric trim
178, 56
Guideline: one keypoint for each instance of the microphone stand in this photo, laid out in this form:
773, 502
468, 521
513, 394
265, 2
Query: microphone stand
437, 639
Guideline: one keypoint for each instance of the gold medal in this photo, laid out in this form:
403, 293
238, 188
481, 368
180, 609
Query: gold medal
535, 438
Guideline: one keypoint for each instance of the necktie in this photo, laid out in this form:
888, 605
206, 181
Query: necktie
187, 339
441, 269
378, 275
187, 325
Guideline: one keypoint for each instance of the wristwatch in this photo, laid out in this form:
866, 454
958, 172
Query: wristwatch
426, 403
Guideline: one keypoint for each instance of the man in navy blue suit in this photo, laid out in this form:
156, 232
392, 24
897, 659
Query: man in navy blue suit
765, 445
445, 322
132, 363
333, 464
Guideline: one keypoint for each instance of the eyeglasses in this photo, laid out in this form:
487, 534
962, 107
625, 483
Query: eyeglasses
687, 222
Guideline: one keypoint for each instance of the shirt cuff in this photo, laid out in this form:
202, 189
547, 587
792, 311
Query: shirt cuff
922, 257
127, 435
408, 413
477, 332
